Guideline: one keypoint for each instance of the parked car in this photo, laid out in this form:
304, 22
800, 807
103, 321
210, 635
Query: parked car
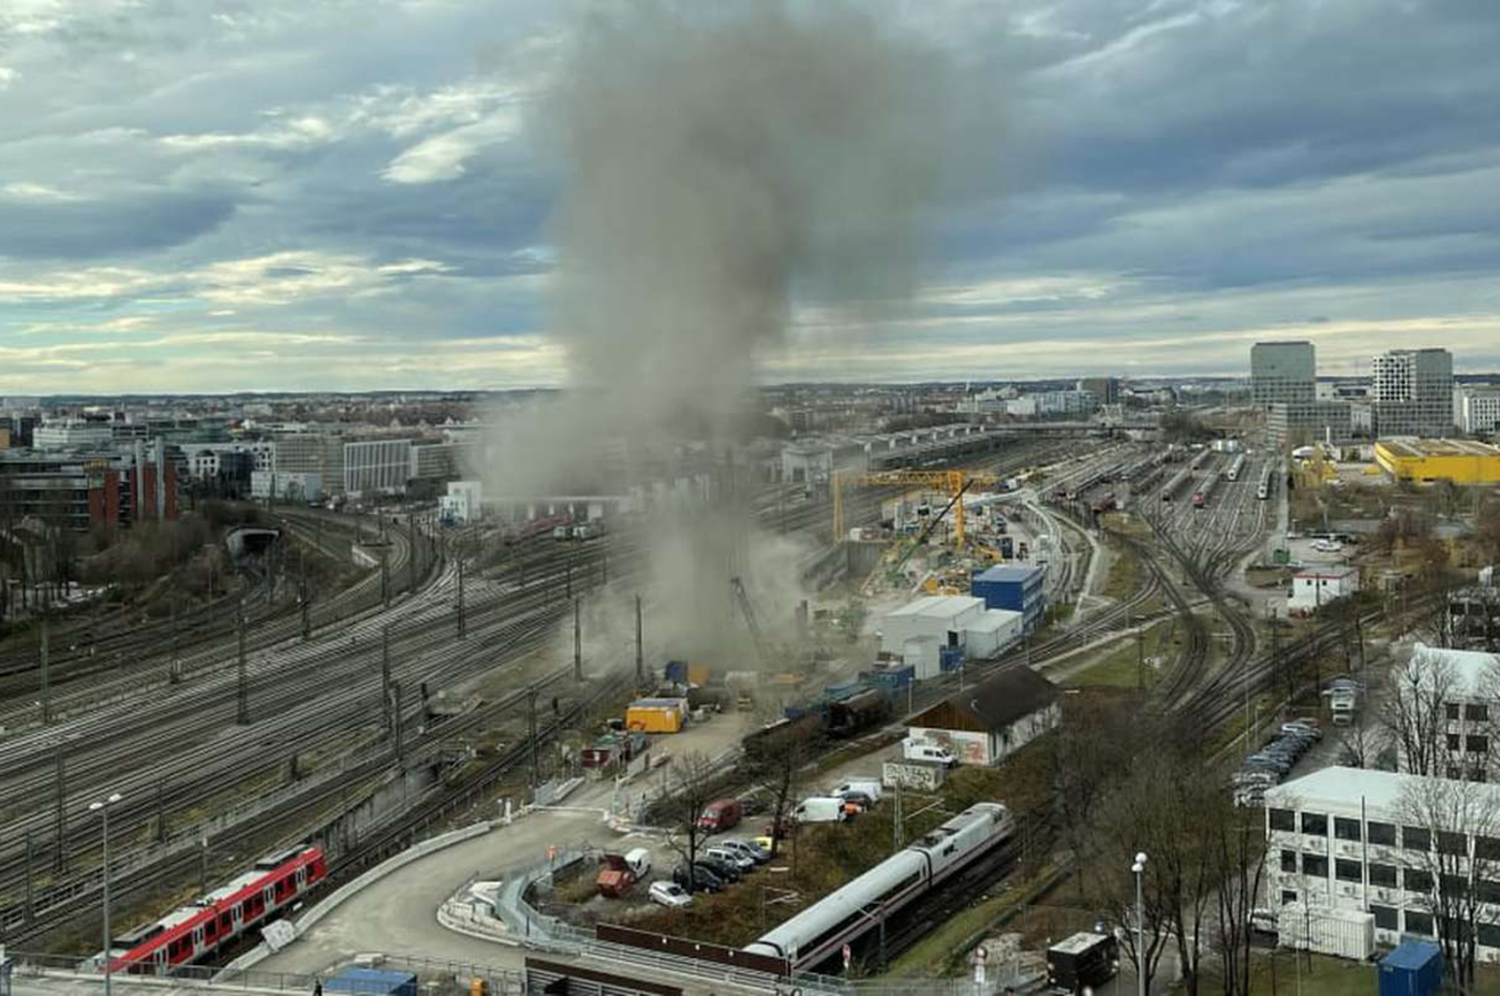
1262, 920
1301, 728
670, 894
752, 851
704, 879
729, 871
868, 787
729, 855
753, 805
860, 799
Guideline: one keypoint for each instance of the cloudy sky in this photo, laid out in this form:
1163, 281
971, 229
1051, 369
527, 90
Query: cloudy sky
206, 195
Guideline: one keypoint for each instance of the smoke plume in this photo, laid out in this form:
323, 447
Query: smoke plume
722, 163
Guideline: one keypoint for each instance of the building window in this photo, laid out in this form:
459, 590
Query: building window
1477, 713
1315, 865
1488, 891
1417, 881
1383, 876
1453, 843
1416, 839
1345, 829
1315, 824
1489, 935
1419, 923
1478, 744
1288, 896
1381, 833
1454, 741
1452, 710
1348, 871
1283, 819
1289, 862
1454, 772
1487, 848
1386, 918
1454, 886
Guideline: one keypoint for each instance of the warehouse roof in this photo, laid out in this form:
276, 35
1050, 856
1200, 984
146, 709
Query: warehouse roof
1009, 572
992, 705
1414, 448
938, 606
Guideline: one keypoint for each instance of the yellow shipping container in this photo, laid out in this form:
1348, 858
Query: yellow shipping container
653, 719
698, 674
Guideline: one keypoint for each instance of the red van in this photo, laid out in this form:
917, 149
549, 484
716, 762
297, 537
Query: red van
719, 815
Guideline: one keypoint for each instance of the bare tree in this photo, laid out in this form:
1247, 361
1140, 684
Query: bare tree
1415, 713
776, 758
691, 785
1451, 844
1237, 840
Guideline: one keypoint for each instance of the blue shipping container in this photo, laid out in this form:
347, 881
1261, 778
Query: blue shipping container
372, 982
1415, 968
677, 672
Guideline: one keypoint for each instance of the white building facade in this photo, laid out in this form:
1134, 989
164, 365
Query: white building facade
1312, 589
1337, 839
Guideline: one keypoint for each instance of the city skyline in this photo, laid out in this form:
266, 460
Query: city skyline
283, 205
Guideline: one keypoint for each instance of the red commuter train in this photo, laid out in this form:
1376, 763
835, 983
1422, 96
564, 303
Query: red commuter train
191, 932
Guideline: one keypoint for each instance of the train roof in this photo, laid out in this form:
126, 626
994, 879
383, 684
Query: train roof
1079, 942
979, 811
229, 889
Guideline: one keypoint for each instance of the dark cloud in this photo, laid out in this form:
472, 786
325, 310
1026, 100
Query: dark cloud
124, 227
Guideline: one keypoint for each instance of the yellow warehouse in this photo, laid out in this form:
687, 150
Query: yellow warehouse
1461, 461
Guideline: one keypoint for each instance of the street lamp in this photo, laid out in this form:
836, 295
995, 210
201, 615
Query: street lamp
102, 808
1140, 922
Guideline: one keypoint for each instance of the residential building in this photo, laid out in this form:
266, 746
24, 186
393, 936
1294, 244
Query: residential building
994, 719
1411, 392
1476, 410
1461, 461
1283, 373
1373, 841
1316, 587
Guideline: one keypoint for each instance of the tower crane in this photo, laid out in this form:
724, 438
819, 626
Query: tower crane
952, 482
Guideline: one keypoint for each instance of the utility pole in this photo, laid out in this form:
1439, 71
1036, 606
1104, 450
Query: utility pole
385, 677
898, 819
46, 674
640, 649
161, 813
568, 581
411, 552
243, 716
174, 672
577, 640
385, 577
536, 769
306, 607
461, 625
396, 696
61, 862
30, 907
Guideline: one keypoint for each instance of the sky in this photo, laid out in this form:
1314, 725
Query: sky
221, 195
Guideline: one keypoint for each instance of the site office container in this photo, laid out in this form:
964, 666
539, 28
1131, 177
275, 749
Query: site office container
1326, 930
656, 715
1415, 968
372, 982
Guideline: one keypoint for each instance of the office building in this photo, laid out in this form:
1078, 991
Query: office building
71, 434
1476, 410
1105, 389
1356, 840
1411, 393
79, 489
377, 466
1301, 422
311, 455
1283, 373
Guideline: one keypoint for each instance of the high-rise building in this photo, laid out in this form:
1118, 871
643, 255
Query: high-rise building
1105, 389
1477, 409
1411, 393
1283, 373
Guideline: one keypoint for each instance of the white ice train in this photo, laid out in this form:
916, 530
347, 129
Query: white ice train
1236, 468
820, 931
1266, 479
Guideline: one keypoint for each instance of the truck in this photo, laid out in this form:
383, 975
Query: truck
1084, 960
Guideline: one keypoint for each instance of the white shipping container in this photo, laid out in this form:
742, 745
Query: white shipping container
1326, 930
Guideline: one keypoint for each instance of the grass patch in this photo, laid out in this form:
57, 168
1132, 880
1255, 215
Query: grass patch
1125, 575
1120, 668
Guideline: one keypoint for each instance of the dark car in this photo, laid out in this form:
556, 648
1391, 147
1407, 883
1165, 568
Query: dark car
752, 805
723, 869
860, 799
705, 880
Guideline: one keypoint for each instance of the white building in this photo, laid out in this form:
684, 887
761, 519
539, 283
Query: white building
1476, 410
71, 434
920, 630
203, 459
1341, 838
1467, 683
994, 719
377, 466
1314, 588
463, 502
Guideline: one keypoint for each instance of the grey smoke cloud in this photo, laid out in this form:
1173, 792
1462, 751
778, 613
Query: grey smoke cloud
720, 162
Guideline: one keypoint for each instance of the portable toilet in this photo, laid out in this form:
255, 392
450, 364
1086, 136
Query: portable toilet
1415, 968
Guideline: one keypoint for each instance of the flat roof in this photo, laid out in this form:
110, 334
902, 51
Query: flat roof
1414, 448
992, 619
938, 606
1008, 572
1379, 790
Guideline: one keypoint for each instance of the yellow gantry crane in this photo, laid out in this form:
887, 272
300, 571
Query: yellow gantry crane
951, 482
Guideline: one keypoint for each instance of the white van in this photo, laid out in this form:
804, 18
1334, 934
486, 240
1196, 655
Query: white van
867, 786
818, 809
638, 860
913, 749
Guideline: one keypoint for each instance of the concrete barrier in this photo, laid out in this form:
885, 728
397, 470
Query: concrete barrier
345, 892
